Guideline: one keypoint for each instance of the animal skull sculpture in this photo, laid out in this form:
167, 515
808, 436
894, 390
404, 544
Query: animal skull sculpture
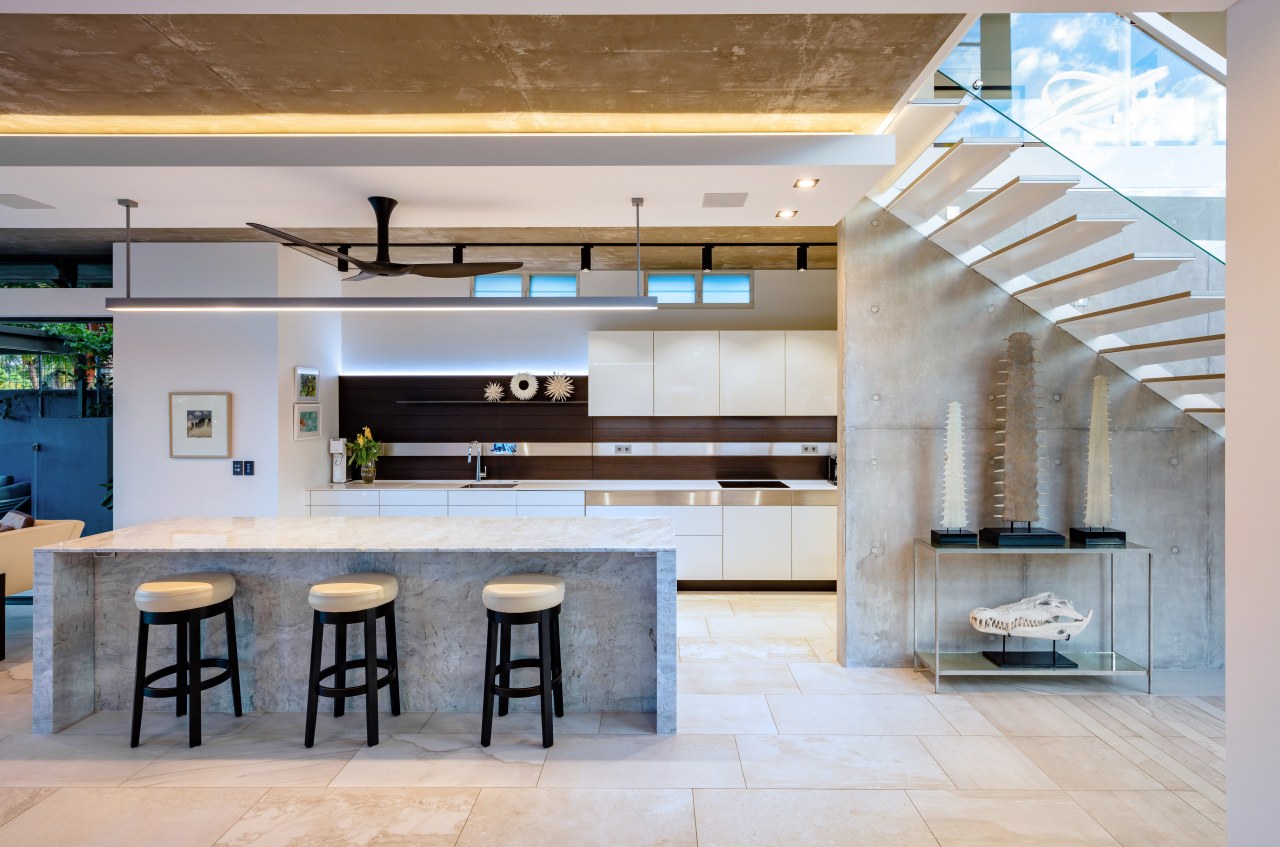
1032, 617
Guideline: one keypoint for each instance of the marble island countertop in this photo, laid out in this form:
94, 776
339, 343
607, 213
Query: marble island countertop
561, 485
384, 535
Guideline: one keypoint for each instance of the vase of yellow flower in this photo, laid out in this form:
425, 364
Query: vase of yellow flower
364, 452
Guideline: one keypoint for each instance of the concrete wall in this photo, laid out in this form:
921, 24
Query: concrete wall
920, 329
1253, 465
506, 342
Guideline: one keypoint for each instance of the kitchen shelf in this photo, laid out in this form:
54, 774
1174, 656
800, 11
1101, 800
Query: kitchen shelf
942, 663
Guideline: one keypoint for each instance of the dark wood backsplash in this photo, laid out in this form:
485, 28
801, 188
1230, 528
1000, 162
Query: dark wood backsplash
454, 411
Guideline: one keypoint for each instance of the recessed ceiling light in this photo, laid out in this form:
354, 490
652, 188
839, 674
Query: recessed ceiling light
786, 213
806, 183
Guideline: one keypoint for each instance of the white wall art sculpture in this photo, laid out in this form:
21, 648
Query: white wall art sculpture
524, 385
954, 513
1042, 616
559, 387
1097, 497
493, 392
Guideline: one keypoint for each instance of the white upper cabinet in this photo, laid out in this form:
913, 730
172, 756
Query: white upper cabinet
753, 372
812, 358
620, 366
686, 373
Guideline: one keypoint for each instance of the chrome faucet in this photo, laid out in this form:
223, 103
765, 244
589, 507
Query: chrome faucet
479, 452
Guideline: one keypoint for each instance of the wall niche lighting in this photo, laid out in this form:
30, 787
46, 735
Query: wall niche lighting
786, 213
806, 183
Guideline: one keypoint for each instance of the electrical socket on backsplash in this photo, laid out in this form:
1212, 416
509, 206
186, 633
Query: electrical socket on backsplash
808, 449
622, 449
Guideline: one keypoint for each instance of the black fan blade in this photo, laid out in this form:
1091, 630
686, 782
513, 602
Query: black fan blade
302, 242
363, 275
454, 270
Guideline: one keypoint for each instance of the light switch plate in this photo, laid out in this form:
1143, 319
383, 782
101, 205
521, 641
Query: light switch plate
248, 467
237, 468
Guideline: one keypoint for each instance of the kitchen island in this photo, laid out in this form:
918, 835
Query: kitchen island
618, 624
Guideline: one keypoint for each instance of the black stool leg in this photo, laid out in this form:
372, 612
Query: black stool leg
504, 676
490, 654
313, 685
233, 659
193, 681
340, 675
371, 676
389, 624
557, 689
544, 673
180, 675
136, 729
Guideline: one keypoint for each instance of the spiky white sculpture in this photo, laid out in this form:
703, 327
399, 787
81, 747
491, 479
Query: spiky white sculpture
1097, 498
559, 387
954, 514
493, 392
1032, 617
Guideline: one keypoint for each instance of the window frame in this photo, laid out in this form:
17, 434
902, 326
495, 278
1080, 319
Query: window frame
698, 276
525, 276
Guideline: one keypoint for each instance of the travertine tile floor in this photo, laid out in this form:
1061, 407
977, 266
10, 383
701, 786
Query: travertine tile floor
777, 745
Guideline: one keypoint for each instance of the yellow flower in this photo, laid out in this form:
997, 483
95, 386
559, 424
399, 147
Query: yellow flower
367, 433
360, 439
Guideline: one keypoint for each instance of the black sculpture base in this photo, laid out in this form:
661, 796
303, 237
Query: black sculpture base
1096, 536
1028, 659
953, 538
1022, 536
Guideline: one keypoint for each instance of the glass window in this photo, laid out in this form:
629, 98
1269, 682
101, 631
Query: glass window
726, 288
673, 287
499, 285
553, 285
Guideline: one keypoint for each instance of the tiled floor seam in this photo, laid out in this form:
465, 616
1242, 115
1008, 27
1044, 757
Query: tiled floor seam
923, 819
236, 822
29, 808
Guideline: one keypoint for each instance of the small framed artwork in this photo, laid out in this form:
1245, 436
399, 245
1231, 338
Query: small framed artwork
306, 421
306, 385
199, 425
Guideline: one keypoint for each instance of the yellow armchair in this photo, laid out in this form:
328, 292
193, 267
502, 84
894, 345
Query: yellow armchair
17, 559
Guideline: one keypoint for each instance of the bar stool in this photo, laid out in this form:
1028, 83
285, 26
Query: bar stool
523, 598
183, 601
355, 598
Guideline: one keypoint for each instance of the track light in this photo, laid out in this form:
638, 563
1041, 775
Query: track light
586, 258
706, 256
802, 258
457, 254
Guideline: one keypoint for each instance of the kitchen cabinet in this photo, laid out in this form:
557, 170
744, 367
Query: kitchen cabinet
813, 542
757, 542
474, 503
343, 511
620, 366
686, 520
550, 504
812, 372
753, 372
698, 557
686, 373
413, 504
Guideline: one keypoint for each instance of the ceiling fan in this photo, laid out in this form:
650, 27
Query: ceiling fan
382, 265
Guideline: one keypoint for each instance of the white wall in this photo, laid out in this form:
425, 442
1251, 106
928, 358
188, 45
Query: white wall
1253, 463
250, 355
506, 342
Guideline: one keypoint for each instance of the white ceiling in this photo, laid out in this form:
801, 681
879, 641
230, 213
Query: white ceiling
506, 181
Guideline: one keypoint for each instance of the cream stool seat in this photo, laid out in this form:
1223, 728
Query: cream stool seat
523, 592
184, 592
353, 592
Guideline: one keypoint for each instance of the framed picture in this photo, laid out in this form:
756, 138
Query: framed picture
306, 421
306, 385
199, 425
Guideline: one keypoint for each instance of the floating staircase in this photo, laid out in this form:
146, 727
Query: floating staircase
935, 194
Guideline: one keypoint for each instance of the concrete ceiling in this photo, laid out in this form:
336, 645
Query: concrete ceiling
459, 73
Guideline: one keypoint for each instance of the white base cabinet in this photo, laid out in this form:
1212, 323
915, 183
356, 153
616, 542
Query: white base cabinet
699, 557
813, 542
757, 542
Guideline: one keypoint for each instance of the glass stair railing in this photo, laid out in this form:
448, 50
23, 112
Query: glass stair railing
1060, 240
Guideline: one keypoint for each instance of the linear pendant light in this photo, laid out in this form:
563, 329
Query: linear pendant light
380, 304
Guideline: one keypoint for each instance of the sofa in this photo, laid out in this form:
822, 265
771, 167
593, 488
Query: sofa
17, 559
13, 495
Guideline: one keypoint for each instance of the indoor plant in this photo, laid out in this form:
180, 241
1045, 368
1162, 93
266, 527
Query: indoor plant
364, 452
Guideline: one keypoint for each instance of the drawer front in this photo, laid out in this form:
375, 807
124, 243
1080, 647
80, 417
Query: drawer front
345, 498
474, 497
813, 542
550, 511
482, 511
757, 542
414, 498
551, 498
413, 511
698, 557
687, 520
344, 511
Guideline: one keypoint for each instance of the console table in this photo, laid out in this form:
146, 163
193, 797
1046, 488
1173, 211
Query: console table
942, 663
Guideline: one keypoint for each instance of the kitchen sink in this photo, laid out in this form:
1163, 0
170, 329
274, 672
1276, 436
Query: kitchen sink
491, 485
752, 483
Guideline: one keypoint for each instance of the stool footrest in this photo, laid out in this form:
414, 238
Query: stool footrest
355, 690
149, 690
525, 691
